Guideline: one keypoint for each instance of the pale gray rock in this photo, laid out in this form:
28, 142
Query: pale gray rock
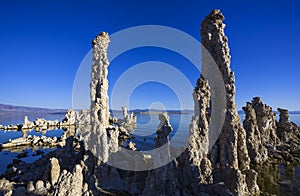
54, 170
163, 180
27, 124
102, 139
128, 121
40, 188
6, 187
260, 126
84, 118
163, 130
31, 141
131, 146
266, 121
70, 118
70, 183
30, 187
229, 156
41, 123
198, 142
285, 128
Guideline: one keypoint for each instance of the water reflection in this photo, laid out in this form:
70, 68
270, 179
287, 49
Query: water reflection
279, 179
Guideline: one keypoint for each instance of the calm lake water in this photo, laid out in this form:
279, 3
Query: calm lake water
278, 179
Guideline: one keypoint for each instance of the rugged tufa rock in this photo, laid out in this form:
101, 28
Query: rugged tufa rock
54, 170
163, 130
198, 145
70, 118
70, 183
229, 156
285, 127
260, 126
104, 138
128, 121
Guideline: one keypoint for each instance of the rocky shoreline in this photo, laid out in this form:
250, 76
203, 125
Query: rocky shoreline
42, 124
82, 166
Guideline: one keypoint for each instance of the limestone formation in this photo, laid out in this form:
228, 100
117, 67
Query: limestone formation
6, 187
163, 130
70, 118
41, 123
34, 141
103, 138
27, 124
128, 121
163, 180
285, 128
84, 118
40, 188
54, 170
161, 140
199, 131
70, 183
229, 156
260, 126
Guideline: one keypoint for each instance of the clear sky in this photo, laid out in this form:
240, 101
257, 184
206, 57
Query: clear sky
42, 44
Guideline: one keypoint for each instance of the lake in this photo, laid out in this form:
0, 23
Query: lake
277, 179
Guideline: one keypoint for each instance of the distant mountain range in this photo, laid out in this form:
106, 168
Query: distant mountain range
10, 114
156, 111
23, 109
12, 109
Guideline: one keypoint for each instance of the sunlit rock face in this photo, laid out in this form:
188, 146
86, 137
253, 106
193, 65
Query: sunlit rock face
260, 126
128, 121
103, 139
229, 156
198, 143
70, 118
289, 135
286, 130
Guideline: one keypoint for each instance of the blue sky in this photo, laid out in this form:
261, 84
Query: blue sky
42, 44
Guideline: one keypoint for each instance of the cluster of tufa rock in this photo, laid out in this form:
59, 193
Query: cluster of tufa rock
268, 140
128, 121
39, 141
42, 124
260, 125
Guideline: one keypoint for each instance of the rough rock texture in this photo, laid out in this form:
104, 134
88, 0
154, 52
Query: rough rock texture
70, 183
128, 121
105, 139
163, 180
163, 130
229, 156
84, 118
31, 141
285, 127
260, 126
288, 150
199, 137
27, 124
54, 170
6, 187
70, 118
